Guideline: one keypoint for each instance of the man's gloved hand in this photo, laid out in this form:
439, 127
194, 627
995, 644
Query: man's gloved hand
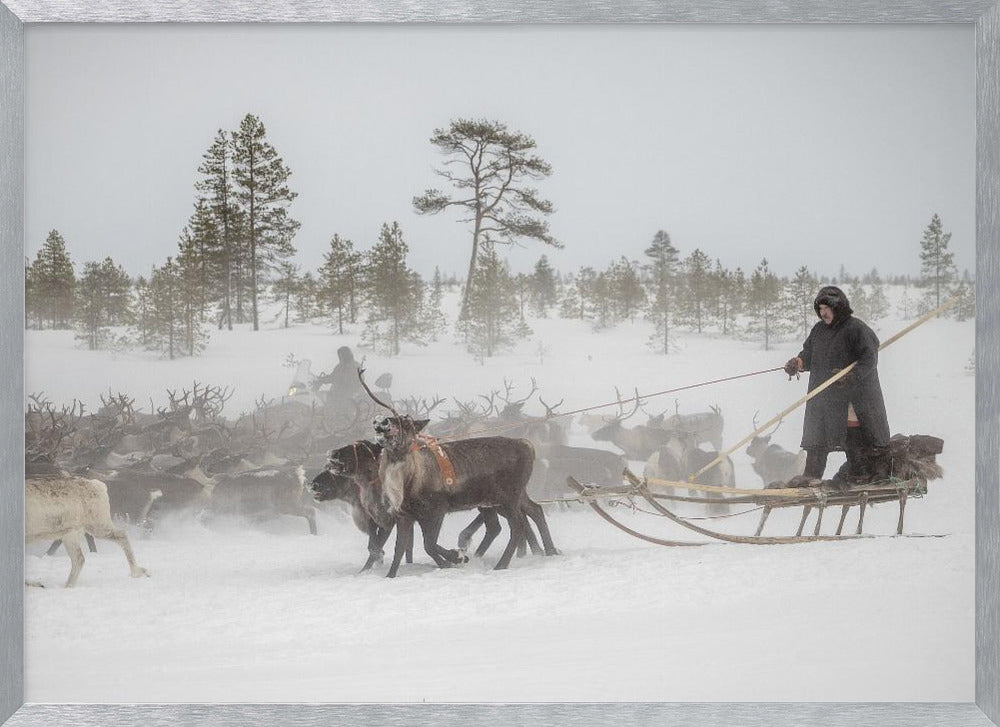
792, 367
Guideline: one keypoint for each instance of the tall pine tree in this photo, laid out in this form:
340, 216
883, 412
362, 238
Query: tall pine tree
394, 293
261, 184
340, 280
216, 188
53, 281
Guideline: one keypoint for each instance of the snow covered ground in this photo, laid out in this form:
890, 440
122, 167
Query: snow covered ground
270, 613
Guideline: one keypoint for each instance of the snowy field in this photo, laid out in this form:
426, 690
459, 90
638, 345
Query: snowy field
269, 613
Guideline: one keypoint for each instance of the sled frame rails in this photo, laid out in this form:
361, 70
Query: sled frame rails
819, 497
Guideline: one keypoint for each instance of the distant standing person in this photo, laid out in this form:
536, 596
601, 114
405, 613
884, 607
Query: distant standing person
849, 415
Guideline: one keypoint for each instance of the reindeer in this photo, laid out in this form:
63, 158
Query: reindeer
640, 442
488, 472
704, 426
772, 462
66, 508
680, 458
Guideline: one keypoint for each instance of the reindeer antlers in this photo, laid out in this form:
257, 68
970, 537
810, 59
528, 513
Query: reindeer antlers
361, 377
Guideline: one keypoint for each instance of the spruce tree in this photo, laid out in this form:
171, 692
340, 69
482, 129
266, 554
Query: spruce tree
166, 310
307, 304
492, 169
937, 265
260, 180
394, 294
878, 303
571, 305
663, 274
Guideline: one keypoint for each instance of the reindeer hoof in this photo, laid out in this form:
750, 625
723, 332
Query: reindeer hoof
140, 573
34, 584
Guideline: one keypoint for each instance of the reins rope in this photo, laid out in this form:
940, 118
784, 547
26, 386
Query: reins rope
637, 398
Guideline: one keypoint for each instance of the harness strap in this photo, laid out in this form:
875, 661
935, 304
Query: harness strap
425, 441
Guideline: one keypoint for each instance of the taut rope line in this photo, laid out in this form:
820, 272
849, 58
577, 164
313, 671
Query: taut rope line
822, 387
637, 398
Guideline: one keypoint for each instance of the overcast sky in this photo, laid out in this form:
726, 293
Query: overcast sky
807, 145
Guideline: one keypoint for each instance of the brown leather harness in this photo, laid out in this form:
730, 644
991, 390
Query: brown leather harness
425, 441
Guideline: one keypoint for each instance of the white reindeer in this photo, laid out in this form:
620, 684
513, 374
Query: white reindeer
66, 508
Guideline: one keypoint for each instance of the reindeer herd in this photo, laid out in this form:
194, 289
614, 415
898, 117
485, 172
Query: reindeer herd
87, 473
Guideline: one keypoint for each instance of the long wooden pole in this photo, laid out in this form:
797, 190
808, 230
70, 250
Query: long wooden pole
822, 387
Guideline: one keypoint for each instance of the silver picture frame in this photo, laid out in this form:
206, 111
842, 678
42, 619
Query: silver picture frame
983, 14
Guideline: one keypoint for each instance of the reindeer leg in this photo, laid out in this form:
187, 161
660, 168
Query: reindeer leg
54, 547
91, 543
118, 536
902, 507
530, 537
805, 513
71, 541
843, 517
533, 510
376, 540
763, 519
491, 519
515, 521
404, 539
465, 537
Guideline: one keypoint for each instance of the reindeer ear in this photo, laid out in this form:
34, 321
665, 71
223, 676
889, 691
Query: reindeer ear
419, 424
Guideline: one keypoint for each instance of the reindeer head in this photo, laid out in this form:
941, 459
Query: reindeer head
353, 459
397, 433
329, 486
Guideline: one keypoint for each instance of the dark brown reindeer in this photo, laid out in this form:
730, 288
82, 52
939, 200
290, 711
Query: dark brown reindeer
352, 476
424, 481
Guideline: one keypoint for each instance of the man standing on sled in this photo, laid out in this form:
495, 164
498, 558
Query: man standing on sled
850, 414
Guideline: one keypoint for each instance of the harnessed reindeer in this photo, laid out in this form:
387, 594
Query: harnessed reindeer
422, 481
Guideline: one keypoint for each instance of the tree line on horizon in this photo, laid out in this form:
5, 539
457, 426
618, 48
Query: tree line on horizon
236, 253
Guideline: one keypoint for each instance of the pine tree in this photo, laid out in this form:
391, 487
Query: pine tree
628, 297
571, 303
260, 179
307, 293
937, 266
878, 303
965, 289
798, 297
216, 189
544, 287
142, 304
285, 287
165, 310
491, 168
433, 313
394, 294
766, 313
207, 259
91, 319
663, 272
340, 279
190, 279
493, 321
53, 280
696, 289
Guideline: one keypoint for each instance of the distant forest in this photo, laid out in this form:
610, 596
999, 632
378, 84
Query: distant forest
236, 254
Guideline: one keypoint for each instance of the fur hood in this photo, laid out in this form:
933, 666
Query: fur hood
833, 297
